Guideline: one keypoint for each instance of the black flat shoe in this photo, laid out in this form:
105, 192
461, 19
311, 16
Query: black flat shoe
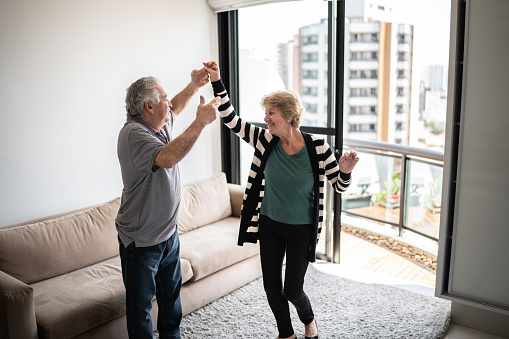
316, 336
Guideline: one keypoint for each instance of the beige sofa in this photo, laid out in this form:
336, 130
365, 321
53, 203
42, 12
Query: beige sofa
60, 276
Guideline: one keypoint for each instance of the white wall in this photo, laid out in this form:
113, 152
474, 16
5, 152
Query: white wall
64, 69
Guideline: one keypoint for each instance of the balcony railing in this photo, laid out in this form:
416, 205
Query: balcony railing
396, 185
393, 185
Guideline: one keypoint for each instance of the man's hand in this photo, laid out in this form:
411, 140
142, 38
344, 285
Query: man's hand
177, 149
199, 78
213, 70
207, 113
348, 161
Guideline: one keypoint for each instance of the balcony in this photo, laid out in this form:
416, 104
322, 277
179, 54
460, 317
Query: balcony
356, 118
363, 83
396, 188
367, 65
402, 81
395, 196
364, 27
364, 46
404, 47
369, 100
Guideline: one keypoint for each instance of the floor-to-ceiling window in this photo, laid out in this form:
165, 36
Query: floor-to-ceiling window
371, 71
286, 45
395, 92
283, 46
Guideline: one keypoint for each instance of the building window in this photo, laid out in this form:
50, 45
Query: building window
312, 91
310, 57
310, 74
310, 108
310, 40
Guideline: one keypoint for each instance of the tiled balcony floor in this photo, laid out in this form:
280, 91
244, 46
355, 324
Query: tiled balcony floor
360, 253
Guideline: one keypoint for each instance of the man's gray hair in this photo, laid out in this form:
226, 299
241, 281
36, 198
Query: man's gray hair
141, 91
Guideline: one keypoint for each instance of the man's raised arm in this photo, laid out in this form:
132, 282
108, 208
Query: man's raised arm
199, 78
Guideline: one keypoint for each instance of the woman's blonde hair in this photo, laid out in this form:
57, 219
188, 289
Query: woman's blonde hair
288, 103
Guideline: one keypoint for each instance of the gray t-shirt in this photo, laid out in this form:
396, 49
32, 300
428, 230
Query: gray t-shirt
151, 195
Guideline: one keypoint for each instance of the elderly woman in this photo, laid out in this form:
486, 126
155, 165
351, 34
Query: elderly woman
283, 204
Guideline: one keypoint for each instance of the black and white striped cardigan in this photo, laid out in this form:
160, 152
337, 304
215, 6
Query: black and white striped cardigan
323, 163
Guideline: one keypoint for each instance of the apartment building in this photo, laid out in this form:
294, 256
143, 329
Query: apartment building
378, 76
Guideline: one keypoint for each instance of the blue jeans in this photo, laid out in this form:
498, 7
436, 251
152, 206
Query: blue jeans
149, 271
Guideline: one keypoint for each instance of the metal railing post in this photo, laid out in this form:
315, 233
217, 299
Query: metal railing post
402, 197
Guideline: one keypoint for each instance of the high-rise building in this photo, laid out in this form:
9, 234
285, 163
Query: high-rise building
313, 64
378, 63
436, 77
378, 73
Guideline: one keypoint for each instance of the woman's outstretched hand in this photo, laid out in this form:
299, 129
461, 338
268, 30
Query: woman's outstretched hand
213, 69
348, 161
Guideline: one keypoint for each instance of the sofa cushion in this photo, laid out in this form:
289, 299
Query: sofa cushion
214, 247
52, 247
203, 202
73, 303
76, 302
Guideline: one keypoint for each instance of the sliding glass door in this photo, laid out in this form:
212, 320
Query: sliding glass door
290, 45
366, 72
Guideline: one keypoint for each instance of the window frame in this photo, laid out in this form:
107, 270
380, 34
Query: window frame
228, 61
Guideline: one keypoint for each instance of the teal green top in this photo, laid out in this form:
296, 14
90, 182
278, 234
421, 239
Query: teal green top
288, 195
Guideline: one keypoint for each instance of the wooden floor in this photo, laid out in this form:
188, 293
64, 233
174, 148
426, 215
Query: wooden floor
361, 253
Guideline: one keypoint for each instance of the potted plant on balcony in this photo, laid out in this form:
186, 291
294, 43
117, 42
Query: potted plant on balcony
390, 196
394, 188
433, 200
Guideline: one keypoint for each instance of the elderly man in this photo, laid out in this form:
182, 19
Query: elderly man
147, 218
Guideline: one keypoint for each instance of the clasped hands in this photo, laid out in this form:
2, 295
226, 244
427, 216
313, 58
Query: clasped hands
200, 77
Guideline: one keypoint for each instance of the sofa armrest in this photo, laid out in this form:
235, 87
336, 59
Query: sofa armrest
236, 198
17, 310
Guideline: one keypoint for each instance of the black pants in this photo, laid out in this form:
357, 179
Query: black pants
276, 239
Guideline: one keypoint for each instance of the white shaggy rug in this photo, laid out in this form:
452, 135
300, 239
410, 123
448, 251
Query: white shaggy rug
343, 309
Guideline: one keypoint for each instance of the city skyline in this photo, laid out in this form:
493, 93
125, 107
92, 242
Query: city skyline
266, 48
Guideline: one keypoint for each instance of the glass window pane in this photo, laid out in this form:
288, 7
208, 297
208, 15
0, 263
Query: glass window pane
375, 189
424, 198
396, 62
282, 46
